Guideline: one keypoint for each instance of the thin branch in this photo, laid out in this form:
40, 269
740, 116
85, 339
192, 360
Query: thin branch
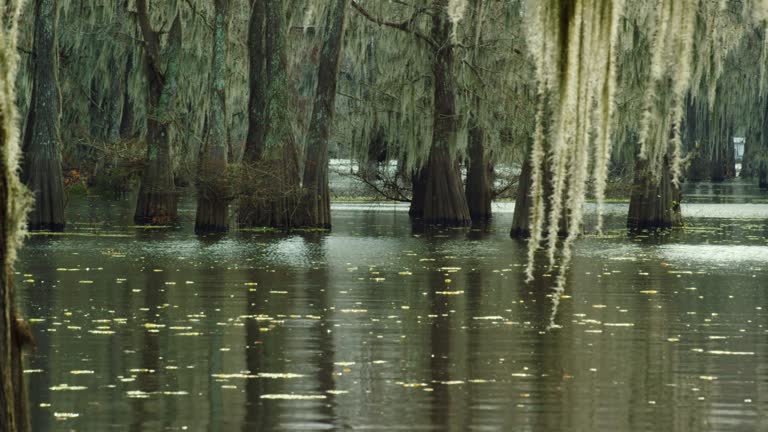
406, 26
477, 72
390, 190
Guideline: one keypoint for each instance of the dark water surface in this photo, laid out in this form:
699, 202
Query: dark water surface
378, 327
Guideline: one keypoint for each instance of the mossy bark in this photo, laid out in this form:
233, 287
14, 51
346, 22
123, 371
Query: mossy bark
14, 409
315, 211
14, 333
693, 127
480, 177
41, 170
479, 189
272, 198
212, 195
257, 82
654, 202
157, 202
444, 199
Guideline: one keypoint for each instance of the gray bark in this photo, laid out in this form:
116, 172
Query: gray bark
269, 197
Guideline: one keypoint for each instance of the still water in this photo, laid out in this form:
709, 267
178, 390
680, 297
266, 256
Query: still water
380, 327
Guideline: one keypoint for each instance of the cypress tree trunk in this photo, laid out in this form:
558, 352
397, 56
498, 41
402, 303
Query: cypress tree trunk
694, 127
13, 400
212, 202
479, 188
270, 196
419, 190
249, 213
257, 81
444, 199
282, 154
114, 104
747, 166
377, 154
521, 221
654, 203
698, 169
479, 178
157, 195
723, 164
41, 171
316, 206
14, 334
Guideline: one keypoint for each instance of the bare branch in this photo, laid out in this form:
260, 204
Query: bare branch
406, 26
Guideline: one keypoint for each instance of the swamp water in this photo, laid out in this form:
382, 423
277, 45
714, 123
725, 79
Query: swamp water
378, 327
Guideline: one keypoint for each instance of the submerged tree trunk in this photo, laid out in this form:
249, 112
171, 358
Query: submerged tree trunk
418, 192
271, 183
212, 197
479, 189
157, 195
377, 154
521, 221
249, 212
480, 179
14, 334
444, 199
316, 205
698, 169
42, 171
723, 166
654, 203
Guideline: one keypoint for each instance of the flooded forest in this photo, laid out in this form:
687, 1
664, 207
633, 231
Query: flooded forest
383, 215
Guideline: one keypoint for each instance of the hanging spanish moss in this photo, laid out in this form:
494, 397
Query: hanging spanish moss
18, 199
14, 203
574, 47
672, 43
674, 56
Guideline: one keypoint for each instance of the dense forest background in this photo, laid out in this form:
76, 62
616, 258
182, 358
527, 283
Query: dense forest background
433, 102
